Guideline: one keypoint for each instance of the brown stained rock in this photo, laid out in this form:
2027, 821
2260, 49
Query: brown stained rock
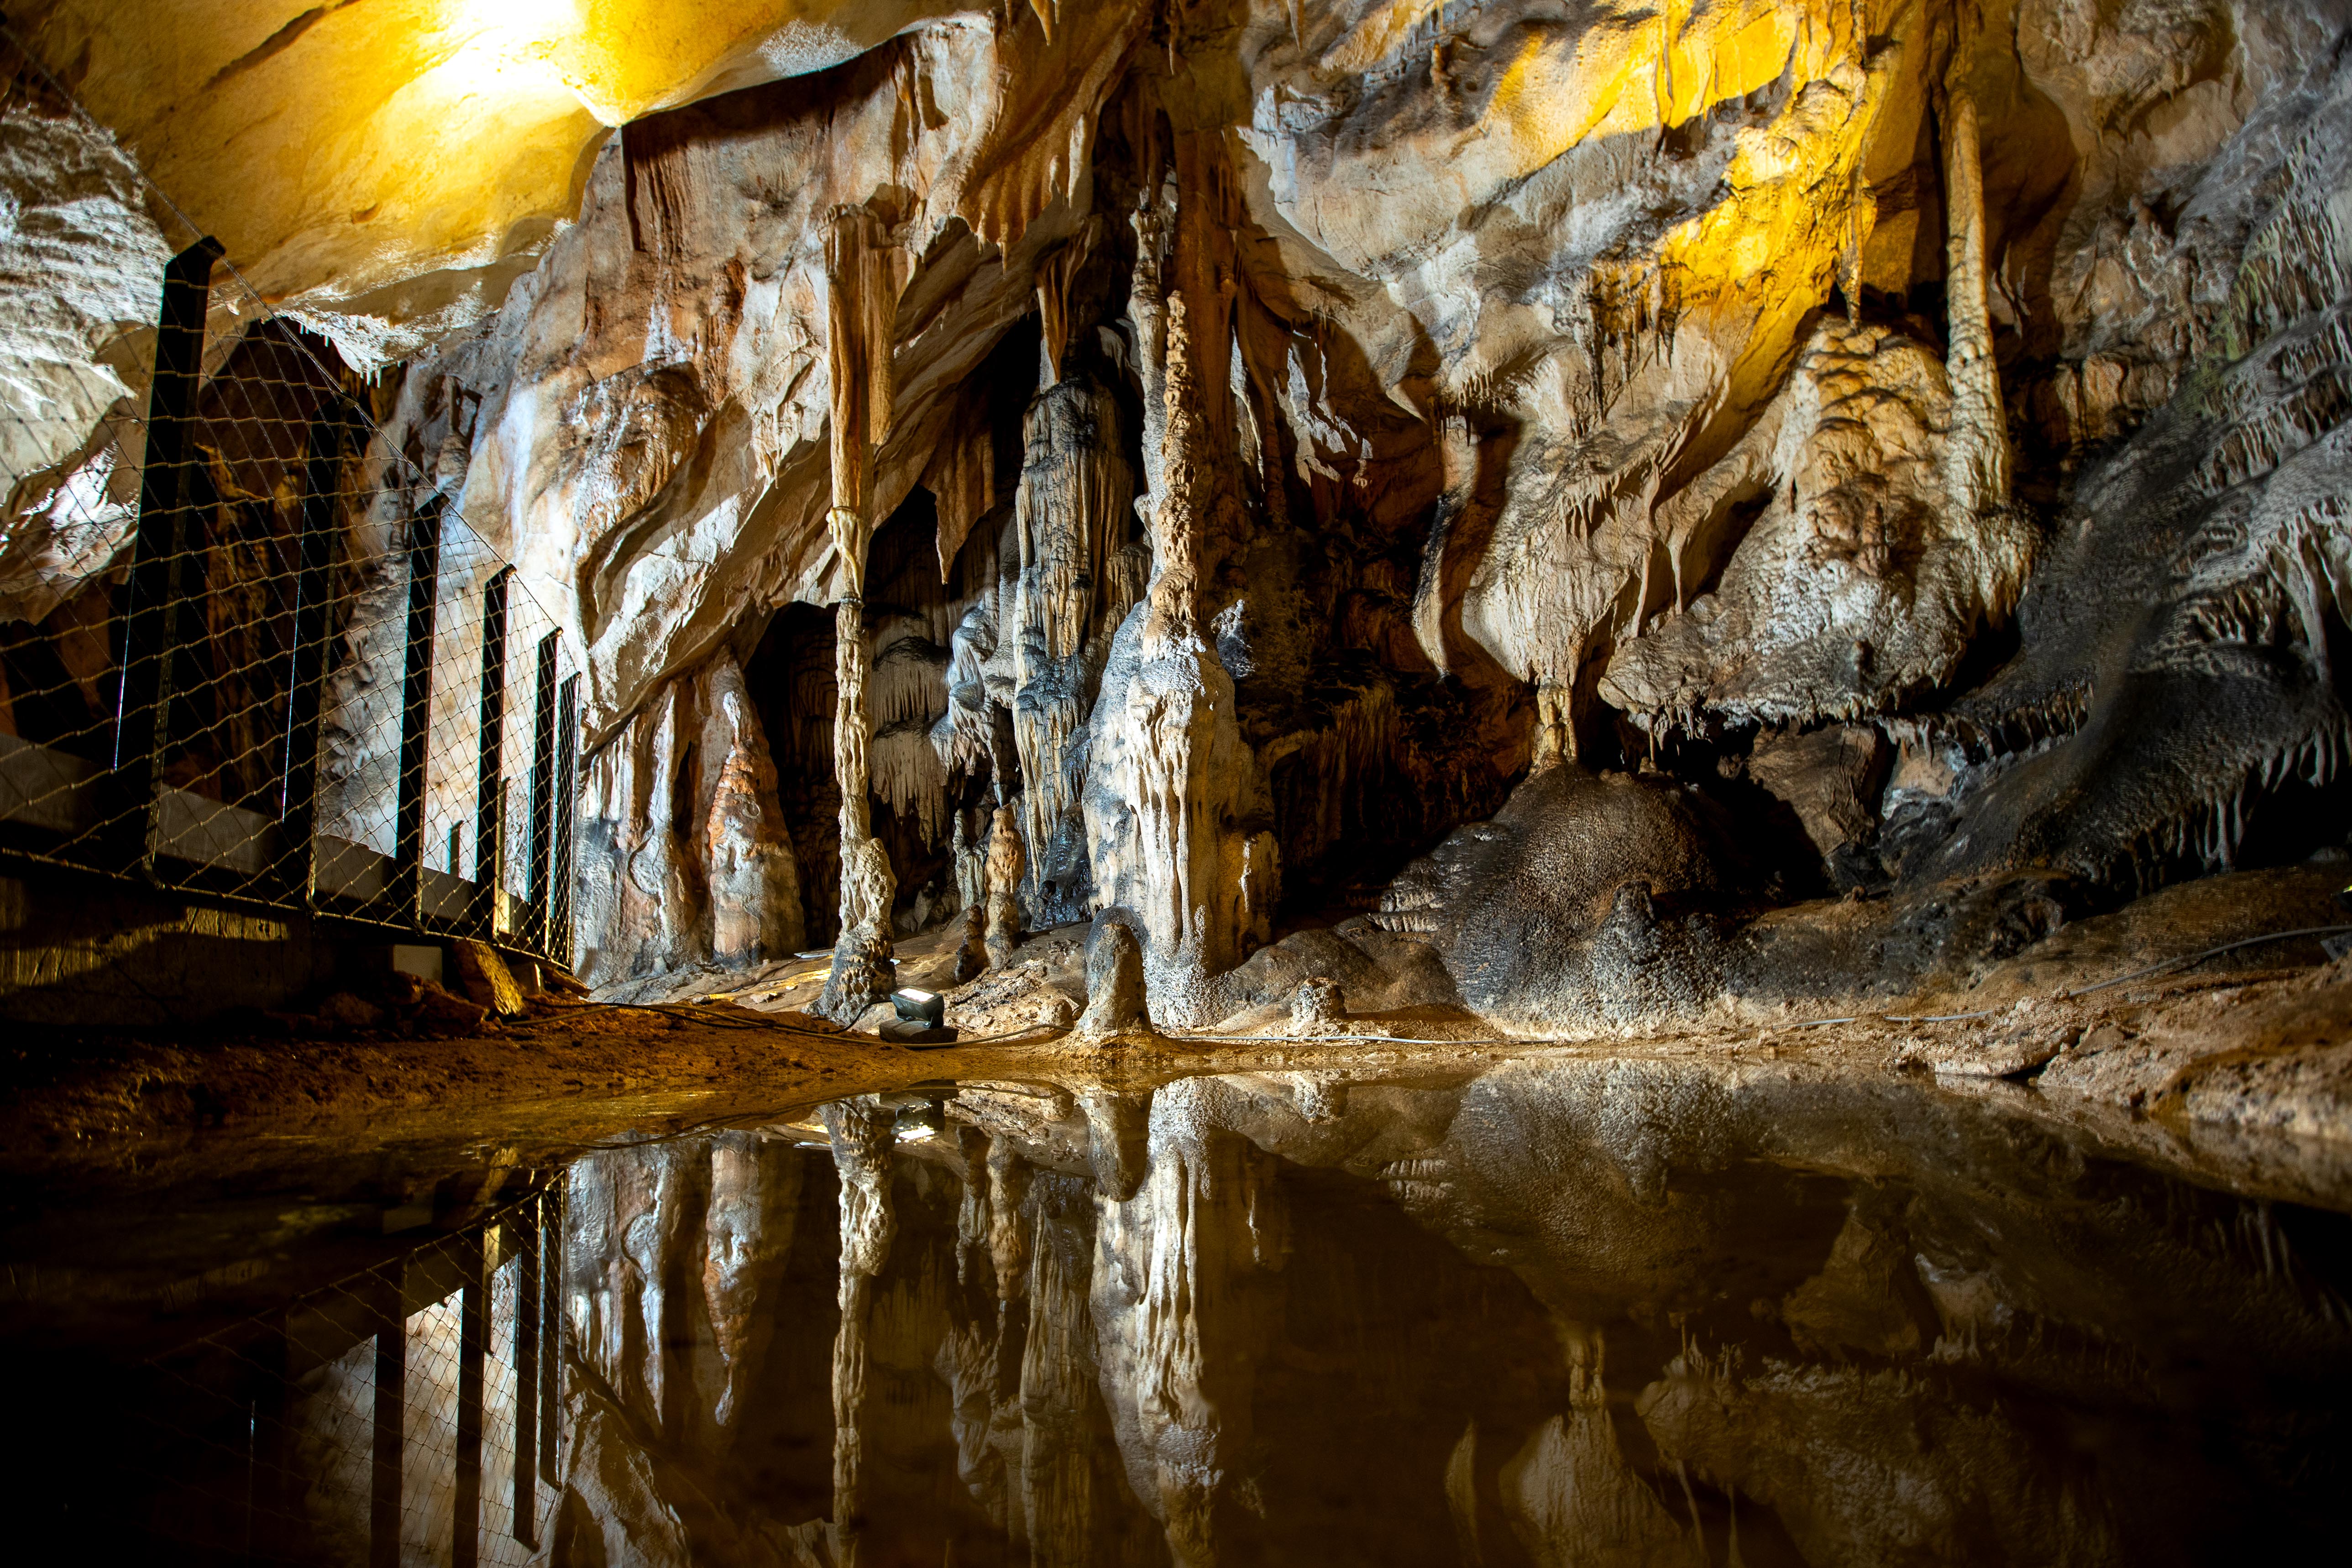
1317, 1007
483, 976
1831, 778
1006, 857
969, 943
343, 1011
1114, 992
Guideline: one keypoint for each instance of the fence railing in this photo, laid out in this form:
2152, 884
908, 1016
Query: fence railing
412, 1412
279, 668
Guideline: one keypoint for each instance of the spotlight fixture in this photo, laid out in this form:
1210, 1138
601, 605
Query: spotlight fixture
927, 1007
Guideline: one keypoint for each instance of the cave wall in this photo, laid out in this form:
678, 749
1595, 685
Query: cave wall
1901, 442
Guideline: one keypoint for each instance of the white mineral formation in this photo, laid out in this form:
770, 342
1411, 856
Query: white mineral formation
1258, 444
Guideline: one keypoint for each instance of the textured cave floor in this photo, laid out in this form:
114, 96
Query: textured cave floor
2238, 1070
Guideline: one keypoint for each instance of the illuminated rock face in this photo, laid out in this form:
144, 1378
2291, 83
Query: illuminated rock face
1285, 430
395, 164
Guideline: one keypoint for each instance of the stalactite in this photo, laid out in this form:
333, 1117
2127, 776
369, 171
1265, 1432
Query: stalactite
1054, 275
1976, 458
1154, 220
963, 479
1457, 451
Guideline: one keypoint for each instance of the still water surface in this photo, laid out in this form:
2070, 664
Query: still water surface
1556, 1312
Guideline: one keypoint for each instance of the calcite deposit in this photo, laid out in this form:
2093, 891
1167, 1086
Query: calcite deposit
1506, 505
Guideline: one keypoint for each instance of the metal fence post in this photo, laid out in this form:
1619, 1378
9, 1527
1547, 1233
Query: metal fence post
473, 1335
390, 1420
551, 1263
142, 712
526, 1366
490, 786
542, 793
416, 713
567, 796
313, 625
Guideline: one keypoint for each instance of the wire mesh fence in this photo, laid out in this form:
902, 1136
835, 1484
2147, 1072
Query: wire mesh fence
272, 663
409, 1413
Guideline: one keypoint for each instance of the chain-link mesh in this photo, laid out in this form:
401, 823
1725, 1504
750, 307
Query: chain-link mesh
409, 1413
272, 664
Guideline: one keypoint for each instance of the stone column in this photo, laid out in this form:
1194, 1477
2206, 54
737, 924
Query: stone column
1172, 779
861, 301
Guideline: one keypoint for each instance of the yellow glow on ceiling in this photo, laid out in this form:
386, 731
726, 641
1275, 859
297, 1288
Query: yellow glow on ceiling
341, 148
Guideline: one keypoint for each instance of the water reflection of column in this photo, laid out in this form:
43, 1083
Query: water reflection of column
747, 1236
1060, 1429
1182, 1308
861, 1131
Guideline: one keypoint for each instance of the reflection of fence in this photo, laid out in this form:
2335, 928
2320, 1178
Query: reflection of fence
409, 1413
275, 665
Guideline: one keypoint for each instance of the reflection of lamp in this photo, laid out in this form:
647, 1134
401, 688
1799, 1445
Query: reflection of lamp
927, 1007
918, 1123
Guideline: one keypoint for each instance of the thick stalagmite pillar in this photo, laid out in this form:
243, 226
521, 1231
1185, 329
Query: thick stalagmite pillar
1176, 784
862, 299
1070, 517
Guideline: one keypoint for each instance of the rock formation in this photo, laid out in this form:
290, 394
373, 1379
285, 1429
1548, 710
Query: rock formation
1362, 469
1005, 860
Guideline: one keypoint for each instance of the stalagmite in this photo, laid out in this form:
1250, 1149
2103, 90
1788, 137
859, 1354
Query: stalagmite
968, 938
754, 884
1005, 859
1164, 818
1071, 517
861, 296
1317, 1007
1114, 992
